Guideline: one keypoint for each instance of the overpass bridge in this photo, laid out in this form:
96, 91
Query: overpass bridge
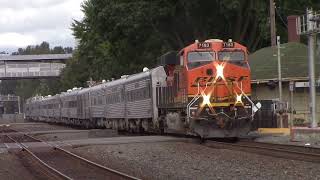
32, 66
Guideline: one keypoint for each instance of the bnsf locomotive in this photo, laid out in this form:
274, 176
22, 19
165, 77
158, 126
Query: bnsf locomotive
202, 90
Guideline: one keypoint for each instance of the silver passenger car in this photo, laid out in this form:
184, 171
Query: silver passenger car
128, 103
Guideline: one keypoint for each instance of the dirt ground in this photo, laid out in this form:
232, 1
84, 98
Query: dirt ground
29, 127
12, 168
78, 134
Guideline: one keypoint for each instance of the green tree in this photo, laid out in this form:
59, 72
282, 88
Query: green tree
121, 36
286, 8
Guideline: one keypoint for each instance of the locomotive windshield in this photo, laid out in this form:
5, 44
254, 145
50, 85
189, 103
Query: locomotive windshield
231, 56
199, 58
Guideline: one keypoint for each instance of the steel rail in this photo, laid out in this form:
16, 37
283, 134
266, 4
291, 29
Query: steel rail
98, 165
51, 169
293, 147
123, 175
272, 150
6, 131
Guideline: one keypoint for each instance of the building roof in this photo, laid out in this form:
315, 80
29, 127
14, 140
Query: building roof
36, 57
294, 62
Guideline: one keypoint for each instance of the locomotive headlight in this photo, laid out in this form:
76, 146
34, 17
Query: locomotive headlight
219, 71
239, 99
206, 100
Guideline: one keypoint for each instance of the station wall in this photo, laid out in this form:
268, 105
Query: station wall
11, 118
300, 105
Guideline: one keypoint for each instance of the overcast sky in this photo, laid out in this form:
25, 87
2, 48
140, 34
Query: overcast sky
29, 22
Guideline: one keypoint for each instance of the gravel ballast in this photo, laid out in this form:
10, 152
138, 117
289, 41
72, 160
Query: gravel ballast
180, 160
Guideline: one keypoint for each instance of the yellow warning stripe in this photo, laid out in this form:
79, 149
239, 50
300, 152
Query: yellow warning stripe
284, 131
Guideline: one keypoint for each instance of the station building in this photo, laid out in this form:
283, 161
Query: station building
294, 67
10, 111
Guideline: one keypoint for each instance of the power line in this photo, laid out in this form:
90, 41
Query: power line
296, 10
279, 14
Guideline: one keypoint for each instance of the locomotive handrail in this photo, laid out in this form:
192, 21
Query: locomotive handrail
252, 103
194, 100
191, 103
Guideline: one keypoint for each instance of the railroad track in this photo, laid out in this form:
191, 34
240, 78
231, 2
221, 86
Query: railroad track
293, 152
4, 129
58, 163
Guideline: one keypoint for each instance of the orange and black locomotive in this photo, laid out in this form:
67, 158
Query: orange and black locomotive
208, 90
202, 90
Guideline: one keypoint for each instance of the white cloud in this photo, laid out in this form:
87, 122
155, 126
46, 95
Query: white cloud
15, 39
22, 4
27, 22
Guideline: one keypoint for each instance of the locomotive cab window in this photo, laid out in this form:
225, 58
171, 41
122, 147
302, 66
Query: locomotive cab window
200, 58
234, 57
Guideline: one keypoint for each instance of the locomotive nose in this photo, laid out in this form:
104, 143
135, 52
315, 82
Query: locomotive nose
210, 72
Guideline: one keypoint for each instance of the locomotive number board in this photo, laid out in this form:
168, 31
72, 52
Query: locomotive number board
204, 45
228, 45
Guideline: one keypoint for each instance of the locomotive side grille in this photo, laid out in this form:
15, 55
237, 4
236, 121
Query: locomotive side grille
170, 97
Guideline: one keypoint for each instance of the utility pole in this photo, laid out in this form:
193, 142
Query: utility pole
318, 54
279, 80
272, 23
312, 86
291, 88
279, 69
310, 26
19, 108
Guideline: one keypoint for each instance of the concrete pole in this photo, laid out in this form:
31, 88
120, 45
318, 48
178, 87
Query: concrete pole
5, 69
279, 80
279, 69
318, 55
292, 109
311, 54
272, 23
19, 108
312, 87
291, 103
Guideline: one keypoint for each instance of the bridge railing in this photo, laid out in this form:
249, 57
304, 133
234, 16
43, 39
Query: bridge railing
30, 69
32, 66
